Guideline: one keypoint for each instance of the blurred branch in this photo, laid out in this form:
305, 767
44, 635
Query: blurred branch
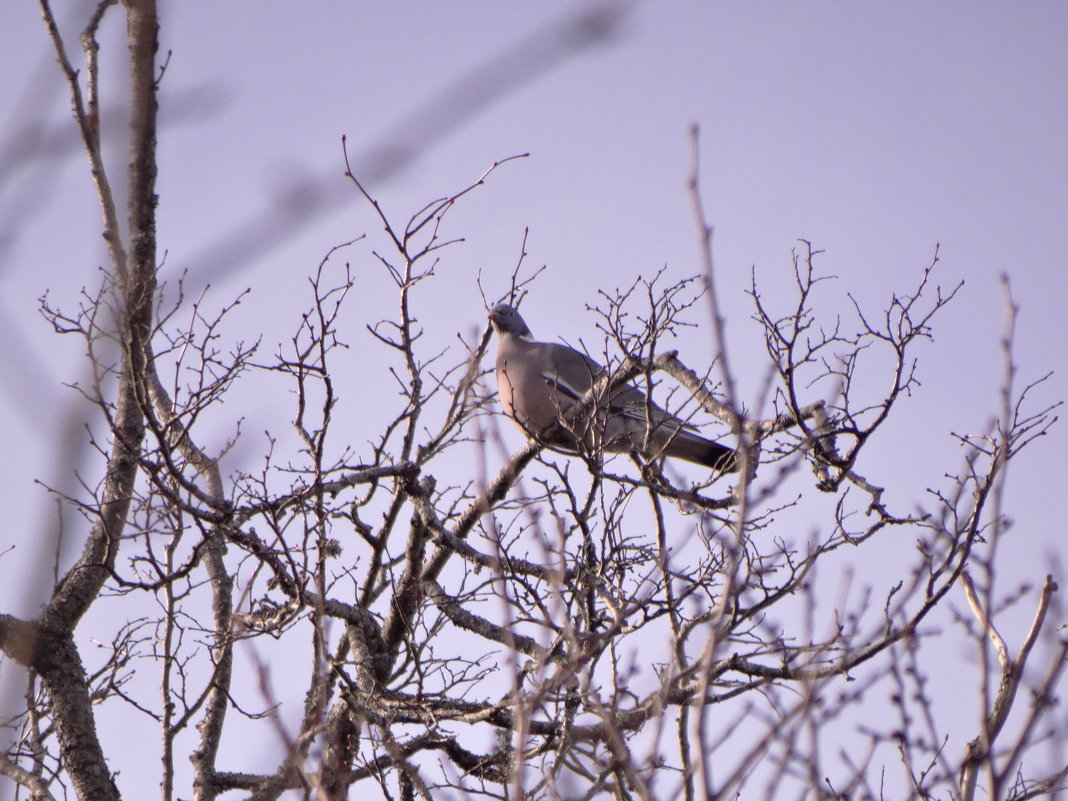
288, 213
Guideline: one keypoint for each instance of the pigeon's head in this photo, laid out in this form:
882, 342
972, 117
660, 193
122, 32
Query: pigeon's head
506, 320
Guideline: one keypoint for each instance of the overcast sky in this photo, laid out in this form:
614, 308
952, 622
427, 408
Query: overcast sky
876, 131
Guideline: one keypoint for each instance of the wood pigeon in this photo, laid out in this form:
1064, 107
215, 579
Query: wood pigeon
540, 381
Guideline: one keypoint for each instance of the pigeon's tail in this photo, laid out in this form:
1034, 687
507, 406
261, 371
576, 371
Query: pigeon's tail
699, 450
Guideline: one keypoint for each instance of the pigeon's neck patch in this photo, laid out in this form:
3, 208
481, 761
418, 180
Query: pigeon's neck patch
526, 336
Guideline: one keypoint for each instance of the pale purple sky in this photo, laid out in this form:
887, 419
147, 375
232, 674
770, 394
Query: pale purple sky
873, 130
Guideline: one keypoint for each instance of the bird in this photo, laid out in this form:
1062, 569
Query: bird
539, 382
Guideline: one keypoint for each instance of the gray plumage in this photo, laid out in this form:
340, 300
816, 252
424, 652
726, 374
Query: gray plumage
539, 382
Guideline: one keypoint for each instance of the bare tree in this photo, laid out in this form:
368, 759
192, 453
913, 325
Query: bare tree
455, 620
